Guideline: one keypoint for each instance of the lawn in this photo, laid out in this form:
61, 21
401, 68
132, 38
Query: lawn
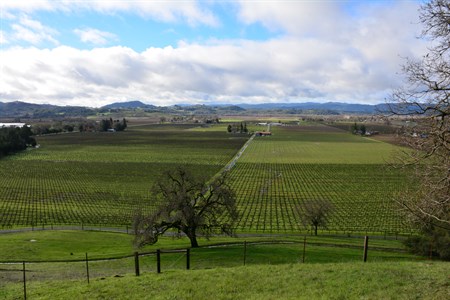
57, 255
380, 280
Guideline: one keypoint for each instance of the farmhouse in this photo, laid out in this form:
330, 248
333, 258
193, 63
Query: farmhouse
263, 133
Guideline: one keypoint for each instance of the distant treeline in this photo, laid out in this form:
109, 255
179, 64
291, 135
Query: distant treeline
80, 125
237, 128
14, 139
109, 124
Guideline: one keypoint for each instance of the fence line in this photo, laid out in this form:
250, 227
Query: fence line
100, 259
163, 260
244, 244
129, 230
66, 226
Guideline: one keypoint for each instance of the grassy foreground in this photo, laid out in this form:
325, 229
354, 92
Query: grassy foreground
392, 280
70, 245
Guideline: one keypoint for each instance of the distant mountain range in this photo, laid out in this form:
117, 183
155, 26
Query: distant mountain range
19, 109
328, 106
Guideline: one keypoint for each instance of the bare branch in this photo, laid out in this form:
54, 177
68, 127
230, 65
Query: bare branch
425, 98
190, 205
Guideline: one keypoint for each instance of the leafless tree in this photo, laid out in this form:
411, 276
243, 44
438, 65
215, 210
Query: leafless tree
315, 213
189, 205
425, 100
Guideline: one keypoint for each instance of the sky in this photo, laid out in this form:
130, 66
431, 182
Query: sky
92, 53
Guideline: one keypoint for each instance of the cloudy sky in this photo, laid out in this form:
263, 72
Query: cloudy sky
92, 53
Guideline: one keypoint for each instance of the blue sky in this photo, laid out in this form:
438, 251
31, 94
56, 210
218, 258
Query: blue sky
167, 52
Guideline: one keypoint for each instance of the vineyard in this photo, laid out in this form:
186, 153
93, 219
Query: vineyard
276, 175
102, 178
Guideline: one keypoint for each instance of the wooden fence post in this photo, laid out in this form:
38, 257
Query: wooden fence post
366, 244
24, 283
136, 263
245, 251
158, 261
87, 268
304, 249
188, 259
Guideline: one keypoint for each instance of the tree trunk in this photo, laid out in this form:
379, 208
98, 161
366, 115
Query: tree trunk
190, 232
315, 230
194, 243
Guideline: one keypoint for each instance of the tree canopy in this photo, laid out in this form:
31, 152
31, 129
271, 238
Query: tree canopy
15, 139
315, 213
425, 99
190, 205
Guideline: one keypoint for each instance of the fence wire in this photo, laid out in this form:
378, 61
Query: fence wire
224, 255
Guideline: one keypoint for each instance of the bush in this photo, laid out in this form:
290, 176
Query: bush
436, 241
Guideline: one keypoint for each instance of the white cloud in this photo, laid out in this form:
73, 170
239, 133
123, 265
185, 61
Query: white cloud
335, 56
95, 36
25, 5
294, 17
284, 69
32, 31
167, 11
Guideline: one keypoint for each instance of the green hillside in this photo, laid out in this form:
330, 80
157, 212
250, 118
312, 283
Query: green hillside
403, 280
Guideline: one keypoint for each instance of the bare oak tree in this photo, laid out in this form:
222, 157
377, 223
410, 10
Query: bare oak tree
425, 100
190, 205
315, 213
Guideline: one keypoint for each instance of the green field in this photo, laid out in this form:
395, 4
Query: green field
385, 280
51, 245
277, 174
317, 144
101, 178
57, 255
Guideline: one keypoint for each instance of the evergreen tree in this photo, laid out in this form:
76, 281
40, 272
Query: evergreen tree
105, 125
354, 128
363, 129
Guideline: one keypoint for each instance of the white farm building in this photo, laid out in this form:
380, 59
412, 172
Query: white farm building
13, 125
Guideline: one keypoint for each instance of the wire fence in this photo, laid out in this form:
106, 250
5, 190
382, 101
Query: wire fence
213, 256
349, 232
67, 226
